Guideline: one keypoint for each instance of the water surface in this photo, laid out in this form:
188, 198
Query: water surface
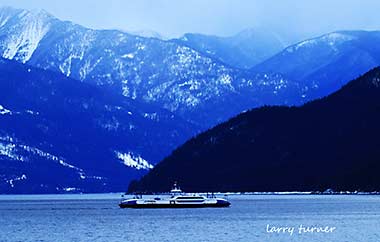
96, 217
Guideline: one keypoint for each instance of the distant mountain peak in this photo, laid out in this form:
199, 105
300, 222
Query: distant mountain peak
28, 28
330, 39
37, 14
7, 13
40, 11
148, 34
248, 32
243, 50
327, 62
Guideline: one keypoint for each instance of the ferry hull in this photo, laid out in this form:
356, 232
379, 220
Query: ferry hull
176, 205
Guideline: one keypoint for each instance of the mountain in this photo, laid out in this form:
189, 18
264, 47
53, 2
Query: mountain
331, 143
243, 50
61, 135
148, 34
167, 74
329, 61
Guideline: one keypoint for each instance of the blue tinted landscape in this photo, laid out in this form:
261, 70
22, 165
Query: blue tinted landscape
245, 99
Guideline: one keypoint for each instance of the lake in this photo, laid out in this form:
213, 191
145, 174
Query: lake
97, 217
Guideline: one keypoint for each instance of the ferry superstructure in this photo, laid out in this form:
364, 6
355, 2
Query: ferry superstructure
177, 200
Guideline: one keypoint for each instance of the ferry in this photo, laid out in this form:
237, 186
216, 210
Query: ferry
178, 199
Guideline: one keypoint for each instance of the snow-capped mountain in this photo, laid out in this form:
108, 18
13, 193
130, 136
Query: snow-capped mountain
148, 34
57, 134
108, 105
328, 61
28, 28
243, 50
169, 74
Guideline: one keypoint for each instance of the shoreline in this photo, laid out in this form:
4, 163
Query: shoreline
295, 193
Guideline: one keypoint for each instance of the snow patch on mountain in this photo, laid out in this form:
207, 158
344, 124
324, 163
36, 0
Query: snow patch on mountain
12, 149
31, 28
70, 189
31, 112
140, 46
4, 111
334, 38
331, 39
111, 124
131, 160
376, 82
87, 68
152, 116
6, 13
3, 20
12, 181
226, 80
191, 85
51, 157
129, 55
8, 150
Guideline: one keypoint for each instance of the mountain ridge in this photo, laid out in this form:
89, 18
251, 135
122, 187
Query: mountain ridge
328, 61
330, 143
56, 133
242, 50
165, 73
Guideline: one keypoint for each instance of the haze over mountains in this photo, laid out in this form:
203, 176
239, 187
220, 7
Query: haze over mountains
111, 104
244, 50
328, 61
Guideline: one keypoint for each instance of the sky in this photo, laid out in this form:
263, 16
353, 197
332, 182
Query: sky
295, 19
